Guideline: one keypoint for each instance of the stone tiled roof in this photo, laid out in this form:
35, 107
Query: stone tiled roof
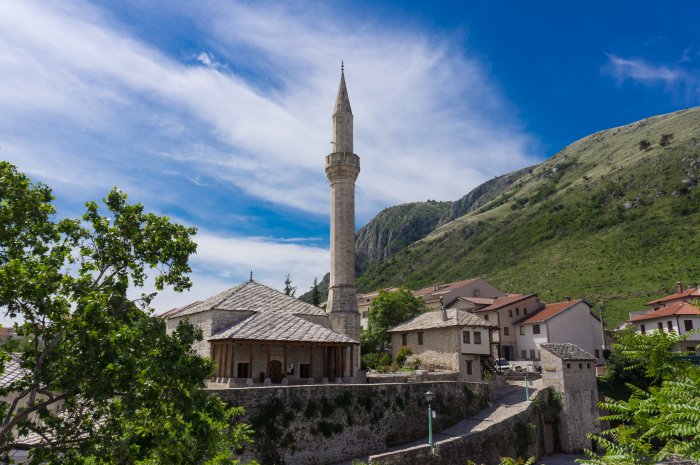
442, 288
250, 296
274, 326
436, 319
12, 372
566, 351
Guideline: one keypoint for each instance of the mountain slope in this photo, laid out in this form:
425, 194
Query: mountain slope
614, 216
395, 228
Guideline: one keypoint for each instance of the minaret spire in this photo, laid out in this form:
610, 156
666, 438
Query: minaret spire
342, 169
342, 118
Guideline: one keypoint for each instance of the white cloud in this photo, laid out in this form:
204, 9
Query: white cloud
428, 122
641, 70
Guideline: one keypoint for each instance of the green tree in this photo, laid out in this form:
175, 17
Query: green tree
288, 288
315, 293
387, 310
128, 392
661, 420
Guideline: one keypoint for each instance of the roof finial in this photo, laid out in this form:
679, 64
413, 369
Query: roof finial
251, 276
342, 67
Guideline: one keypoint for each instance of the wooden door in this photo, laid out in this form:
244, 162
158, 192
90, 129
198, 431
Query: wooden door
275, 371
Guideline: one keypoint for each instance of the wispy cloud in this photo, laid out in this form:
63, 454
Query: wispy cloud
680, 77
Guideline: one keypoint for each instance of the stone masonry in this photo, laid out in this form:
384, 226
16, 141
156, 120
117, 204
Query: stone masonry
325, 424
342, 169
571, 371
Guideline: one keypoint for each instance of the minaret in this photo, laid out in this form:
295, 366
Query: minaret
342, 168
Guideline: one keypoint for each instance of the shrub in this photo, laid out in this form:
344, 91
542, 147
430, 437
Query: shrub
376, 361
403, 354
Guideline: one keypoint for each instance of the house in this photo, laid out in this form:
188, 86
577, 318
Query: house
680, 317
449, 339
440, 294
437, 295
571, 321
258, 334
503, 312
687, 295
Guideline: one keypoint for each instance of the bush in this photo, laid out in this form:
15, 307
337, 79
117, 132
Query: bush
403, 354
376, 361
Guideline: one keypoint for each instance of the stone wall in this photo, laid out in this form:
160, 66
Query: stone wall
519, 435
323, 424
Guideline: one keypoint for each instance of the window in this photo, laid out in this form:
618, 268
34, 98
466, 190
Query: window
304, 370
661, 326
532, 354
688, 325
486, 317
517, 311
465, 337
535, 329
524, 311
510, 313
568, 365
404, 339
477, 337
580, 365
670, 326
243, 370
597, 353
643, 329
364, 314
588, 365
420, 339
522, 330
524, 354
469, 366
505, 330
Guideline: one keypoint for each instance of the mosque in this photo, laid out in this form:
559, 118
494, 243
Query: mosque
259, 335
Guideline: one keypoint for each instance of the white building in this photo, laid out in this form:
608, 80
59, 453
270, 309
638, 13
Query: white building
571, 321
679, 317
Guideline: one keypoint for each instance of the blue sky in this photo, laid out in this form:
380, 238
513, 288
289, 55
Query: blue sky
217, 113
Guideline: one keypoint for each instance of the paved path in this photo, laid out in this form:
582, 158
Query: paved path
511, 402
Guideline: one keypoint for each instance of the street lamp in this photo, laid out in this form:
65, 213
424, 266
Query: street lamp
527, 391
430, 397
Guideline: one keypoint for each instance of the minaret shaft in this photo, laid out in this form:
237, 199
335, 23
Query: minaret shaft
342, 168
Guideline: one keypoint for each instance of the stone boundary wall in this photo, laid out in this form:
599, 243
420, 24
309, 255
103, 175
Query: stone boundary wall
413, 376
324, 424
521, 434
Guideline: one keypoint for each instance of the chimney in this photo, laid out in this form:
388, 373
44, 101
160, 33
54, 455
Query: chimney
679, 287
435, 287
444, 311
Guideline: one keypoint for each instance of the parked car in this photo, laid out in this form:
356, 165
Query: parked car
503, 364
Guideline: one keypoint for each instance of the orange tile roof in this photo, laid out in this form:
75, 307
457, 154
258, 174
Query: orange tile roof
680, 308
692, 292
549, 311
443, 287
500, 302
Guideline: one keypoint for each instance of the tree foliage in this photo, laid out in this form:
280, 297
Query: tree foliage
100, 380
288, 288
387, 310
661, 420
315, 293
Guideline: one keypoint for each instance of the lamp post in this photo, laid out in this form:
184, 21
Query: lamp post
527, 390
430, 396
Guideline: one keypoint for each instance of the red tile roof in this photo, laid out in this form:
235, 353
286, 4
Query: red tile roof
688, 293
500, 302
680, 308
549, 311
443, 287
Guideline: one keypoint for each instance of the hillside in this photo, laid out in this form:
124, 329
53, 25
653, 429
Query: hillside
395, 228
613, 216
